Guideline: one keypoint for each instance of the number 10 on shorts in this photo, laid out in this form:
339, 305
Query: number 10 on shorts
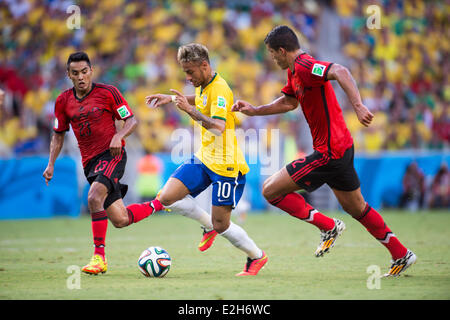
223, 190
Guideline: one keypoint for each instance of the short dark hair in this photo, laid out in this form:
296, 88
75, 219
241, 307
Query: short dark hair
78, 56
282, 37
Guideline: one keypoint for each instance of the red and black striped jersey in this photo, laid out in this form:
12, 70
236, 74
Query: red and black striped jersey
92, 117
309, 85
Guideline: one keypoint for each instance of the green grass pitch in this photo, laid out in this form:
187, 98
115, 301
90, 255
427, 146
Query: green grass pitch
35, 256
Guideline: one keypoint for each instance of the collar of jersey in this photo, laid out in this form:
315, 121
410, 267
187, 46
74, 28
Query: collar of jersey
296, 59
201, 89
75, 93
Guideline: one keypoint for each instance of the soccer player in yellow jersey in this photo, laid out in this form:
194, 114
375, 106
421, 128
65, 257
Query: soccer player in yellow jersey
219, 161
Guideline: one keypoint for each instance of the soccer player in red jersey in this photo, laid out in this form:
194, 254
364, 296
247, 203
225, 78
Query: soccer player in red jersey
332, 160
91, 109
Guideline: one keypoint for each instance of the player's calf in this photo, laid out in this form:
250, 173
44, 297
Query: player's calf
120, 222
377, 227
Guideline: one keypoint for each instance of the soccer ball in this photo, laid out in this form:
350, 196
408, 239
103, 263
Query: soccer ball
154, 262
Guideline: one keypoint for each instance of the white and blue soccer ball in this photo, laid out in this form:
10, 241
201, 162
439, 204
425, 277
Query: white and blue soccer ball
154, 262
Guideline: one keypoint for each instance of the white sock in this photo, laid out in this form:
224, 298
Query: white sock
189, 208
240, 239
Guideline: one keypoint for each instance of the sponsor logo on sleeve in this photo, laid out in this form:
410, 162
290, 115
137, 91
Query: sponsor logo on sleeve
221, 102
318, 69
123, 111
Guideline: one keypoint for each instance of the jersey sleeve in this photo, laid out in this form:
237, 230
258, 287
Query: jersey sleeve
312, 72
119, 105
288, 90
61, 121
221, 101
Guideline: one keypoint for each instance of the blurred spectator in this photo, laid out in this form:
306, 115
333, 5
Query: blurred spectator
413, 188
401, 70
440, 189
2, 98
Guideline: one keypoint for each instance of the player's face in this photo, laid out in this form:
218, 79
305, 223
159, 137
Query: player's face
81, 75
196, 73
279, 56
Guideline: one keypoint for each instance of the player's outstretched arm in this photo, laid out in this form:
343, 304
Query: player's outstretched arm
216, 126
348, 84
156, 100
56, 145
280, 105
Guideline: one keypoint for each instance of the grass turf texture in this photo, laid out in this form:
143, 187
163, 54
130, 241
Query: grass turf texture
35, 255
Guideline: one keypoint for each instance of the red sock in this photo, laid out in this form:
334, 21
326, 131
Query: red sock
296, 206
139, 211
374, 223
99, 226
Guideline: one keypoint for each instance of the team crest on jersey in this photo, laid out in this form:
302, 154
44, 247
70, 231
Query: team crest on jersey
123, 111
318, 69
221, 102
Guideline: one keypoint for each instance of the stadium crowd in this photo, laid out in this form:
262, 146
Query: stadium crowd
402, 71
401, 67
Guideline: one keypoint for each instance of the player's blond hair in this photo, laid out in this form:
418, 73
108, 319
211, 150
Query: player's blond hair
193, 52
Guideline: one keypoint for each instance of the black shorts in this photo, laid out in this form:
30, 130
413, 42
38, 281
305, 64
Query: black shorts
108, 170
317, 169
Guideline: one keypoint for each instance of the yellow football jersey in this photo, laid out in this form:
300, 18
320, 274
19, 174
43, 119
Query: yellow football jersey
221, 154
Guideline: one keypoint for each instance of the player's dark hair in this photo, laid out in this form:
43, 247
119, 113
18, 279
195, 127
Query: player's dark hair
78, 56
282, 37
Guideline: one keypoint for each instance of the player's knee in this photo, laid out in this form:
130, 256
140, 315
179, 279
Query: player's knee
267, 190
95, 201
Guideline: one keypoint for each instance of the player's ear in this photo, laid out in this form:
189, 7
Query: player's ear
204, 64
282, 51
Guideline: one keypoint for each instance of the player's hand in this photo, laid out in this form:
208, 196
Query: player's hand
48, 173
244, 107
156, 100
181, 101
115, 147
364, 115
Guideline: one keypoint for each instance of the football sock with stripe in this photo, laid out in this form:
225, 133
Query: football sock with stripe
376, 226
139, 211
296, 206
189, 208
240, 239
99, 227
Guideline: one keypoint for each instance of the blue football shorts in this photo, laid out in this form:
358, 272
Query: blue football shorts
226, 191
